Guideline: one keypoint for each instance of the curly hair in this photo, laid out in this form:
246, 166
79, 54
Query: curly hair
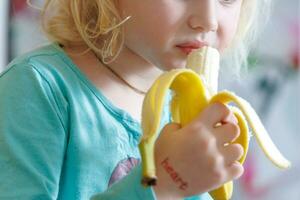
98, 24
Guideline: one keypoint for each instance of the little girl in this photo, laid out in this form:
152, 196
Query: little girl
70, 111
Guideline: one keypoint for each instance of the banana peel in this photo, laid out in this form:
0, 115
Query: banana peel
194, 88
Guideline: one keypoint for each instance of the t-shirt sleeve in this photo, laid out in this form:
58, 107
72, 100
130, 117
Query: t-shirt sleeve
32, 136
128, 188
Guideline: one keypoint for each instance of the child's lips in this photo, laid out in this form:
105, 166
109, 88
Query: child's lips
186, 50
188, 47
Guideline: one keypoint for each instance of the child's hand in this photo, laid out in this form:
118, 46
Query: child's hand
196, 158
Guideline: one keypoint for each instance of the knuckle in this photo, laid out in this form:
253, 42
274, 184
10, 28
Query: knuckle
215, 162
211, 162
206, 143
218, 175
223, 109
216, 166
198, 127
202, 137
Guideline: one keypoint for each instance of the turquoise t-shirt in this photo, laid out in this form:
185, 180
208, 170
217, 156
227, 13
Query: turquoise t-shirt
61, 138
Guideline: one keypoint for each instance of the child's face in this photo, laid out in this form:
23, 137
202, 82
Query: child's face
156, 27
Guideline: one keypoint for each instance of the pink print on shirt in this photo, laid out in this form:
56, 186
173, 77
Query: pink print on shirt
122, 169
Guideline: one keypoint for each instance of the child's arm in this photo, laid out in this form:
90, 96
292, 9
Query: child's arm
32, 136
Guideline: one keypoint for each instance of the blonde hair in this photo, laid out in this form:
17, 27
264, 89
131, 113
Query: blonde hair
254, 16
98, 24
95, 23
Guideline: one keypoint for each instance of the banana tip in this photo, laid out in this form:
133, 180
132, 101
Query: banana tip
289, 165
149, 181
285, 166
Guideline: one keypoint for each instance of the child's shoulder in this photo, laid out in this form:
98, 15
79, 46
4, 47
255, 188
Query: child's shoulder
49, 55
49, 61
44, 67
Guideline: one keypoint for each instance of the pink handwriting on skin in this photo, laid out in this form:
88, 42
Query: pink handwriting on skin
174, 175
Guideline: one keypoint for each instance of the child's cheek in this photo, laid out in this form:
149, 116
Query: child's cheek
228, 20
227, 31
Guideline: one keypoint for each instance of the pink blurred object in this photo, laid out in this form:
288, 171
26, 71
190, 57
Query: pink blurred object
295, 53
18, 6
248, 180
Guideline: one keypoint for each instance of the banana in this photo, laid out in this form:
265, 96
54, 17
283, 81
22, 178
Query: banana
206, 66
193, 89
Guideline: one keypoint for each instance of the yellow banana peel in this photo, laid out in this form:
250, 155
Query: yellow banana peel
193, 89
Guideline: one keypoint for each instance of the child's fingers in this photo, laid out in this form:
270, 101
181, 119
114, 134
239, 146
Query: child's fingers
234, 170
216, 113
227, 133
231, 118
213, 116
232, 153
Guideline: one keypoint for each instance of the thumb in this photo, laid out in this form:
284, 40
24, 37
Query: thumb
171, 127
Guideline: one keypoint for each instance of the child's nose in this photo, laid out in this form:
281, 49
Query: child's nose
204, 16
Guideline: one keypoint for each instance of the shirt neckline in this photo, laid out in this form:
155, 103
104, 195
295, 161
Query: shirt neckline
121, 114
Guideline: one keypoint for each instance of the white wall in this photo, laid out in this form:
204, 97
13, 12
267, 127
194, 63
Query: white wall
3, 32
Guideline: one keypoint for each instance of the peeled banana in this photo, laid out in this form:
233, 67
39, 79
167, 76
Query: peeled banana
193, 88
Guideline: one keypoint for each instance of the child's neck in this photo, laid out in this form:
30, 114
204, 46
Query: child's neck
135, 70
139, 74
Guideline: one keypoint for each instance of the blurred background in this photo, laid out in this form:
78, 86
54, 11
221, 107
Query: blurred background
272, 86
